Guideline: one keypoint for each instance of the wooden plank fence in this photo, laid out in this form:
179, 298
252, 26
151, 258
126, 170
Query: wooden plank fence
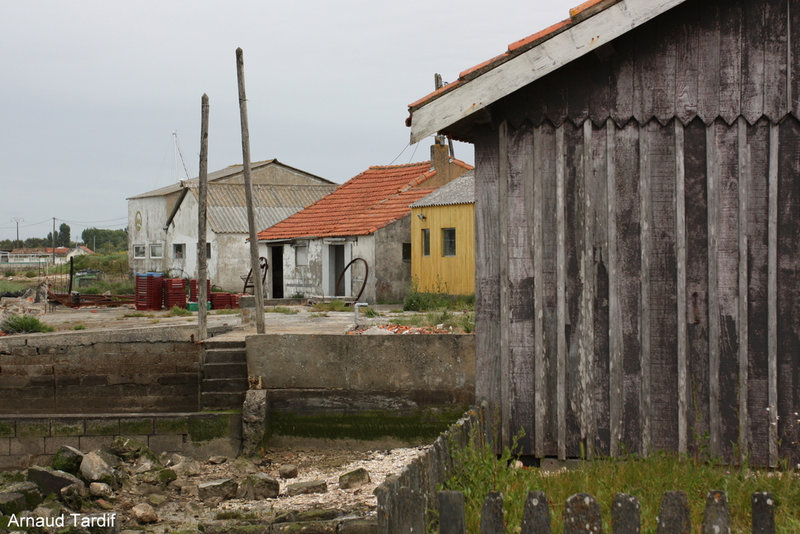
582, 514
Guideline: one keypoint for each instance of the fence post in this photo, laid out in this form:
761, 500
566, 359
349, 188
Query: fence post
763, 513
716, 517
492, 514
582, 515
536, 519
451, 512
673, 518
625, 514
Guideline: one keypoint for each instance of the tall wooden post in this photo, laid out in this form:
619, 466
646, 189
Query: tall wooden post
202, 291
248, 189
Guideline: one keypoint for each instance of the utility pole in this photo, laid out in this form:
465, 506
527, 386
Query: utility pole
248, 190
202, 290
17, 220
53, 240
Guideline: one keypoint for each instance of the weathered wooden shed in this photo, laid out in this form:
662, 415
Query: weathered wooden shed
638, 228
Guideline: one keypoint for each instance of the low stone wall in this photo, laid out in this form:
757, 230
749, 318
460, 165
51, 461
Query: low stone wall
131, 370
28, 440
363, 387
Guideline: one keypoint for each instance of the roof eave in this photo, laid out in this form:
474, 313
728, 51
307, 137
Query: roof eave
568, 45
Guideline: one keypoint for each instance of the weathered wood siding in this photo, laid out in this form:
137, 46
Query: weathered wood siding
638, 243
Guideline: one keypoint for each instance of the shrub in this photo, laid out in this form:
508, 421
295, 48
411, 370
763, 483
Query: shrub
23, 324
178, 311
30, 274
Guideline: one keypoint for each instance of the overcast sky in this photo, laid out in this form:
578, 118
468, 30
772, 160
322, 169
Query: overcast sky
91, 91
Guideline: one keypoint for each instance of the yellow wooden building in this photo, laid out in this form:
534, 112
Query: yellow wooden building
443, 239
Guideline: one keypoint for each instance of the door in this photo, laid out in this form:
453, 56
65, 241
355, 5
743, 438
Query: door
276, 266
336, 266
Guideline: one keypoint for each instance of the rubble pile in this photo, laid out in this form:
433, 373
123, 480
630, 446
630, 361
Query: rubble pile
126, 487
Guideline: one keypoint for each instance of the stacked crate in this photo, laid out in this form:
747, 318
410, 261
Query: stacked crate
174, 293
220, 301
193, 289
149, 291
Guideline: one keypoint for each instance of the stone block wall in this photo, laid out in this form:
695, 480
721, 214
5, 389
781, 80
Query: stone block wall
112, 371
28, 440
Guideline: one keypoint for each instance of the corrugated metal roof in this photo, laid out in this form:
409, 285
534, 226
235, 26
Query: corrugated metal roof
459, 191
227, 172
227, 205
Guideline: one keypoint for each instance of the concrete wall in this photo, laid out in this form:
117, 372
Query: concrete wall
392, 274
152, 212
29, 440
123, 371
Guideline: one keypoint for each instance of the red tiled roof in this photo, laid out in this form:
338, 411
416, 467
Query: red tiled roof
41, 250
373, 199
576, 14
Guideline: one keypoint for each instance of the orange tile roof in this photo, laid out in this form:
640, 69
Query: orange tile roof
576, 14
373, 199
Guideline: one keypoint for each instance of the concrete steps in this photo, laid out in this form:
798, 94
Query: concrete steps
224, 376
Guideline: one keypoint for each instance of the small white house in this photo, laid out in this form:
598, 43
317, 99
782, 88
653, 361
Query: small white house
162, 224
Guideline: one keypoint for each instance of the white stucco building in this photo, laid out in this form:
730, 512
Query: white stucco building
162, 224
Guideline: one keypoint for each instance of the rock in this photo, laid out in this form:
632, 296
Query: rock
143, 464
100, 489
258, 486
104, 504
94, 469
254, 421
220, 489
187, 467
157, 499
33, 497
11, 502
129, 449
67, 459
144, 514
358, 526
73, 496
306, 527
244, 466
295, 516
288, 471
303, 488
51, 480
109, 458
217, 460
354, 479
165, 476
48, 509
377, 331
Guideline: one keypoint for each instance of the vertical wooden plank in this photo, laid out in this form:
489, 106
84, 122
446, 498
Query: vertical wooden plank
492, 514
744, 181
614, 316
730, 72
793, 58
627, 165
696, 208
537, 247
451, 512
680, 233
586, 342
687, 57
753, 60
487, 274
708, 61
505, 311
772, 294
712, 171
623, 78
776, 59
789, 290
757, 290
561, 365
645, 219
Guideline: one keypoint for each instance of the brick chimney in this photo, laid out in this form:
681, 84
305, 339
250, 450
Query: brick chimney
440, 161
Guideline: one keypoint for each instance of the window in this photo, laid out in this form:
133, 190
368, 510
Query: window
179, 251
208, 250
301, 255
448, 241
426, 241
406, 251
138, 251
156, 250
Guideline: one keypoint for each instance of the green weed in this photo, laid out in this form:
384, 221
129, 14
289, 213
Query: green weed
23, 324
281, 309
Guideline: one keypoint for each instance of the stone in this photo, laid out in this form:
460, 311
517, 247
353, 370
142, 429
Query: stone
354, 479
100, 489
144, 514
73, 496
109, 458
258, 486
157, 499
143, 464
304, 488
377, 331
129, 449
94, 469
217, 460
306, 527
358, 526
254, 421
11, 502
51, 480
104, 504
67, 459
288, 471
221, 489
33, 497
187, 467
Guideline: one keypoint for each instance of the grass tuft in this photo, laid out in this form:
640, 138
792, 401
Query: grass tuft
23, 324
